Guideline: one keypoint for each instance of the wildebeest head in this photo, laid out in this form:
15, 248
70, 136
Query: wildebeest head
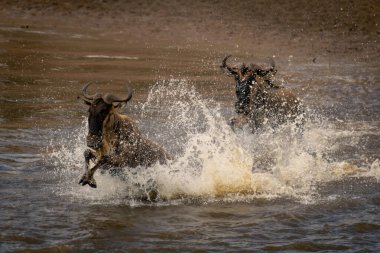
244, 69
259, 71
99, 108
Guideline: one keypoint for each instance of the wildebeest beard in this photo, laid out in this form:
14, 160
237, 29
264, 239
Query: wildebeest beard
98, 112
243, 91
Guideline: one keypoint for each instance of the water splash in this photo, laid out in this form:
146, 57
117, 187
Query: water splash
211, 161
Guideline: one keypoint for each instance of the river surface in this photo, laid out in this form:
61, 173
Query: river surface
277, 190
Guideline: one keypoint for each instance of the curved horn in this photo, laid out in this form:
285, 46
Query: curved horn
85, 100
109, 98
84, 92
224, 62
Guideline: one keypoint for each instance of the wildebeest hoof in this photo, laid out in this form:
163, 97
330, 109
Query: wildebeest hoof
91, 182
83, 180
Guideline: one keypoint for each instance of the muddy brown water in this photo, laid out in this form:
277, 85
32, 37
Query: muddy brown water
238, 192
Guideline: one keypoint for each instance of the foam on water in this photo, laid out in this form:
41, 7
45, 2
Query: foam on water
211, 162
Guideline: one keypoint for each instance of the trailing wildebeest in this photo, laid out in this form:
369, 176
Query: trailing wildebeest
114, 139
245, 77
261, 102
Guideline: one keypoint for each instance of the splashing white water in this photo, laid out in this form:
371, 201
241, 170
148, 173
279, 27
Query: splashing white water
211, 161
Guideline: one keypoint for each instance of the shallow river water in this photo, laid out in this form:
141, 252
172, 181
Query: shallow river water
275, 190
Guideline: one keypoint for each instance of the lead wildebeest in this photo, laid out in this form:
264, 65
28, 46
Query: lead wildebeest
261, 102
114, 139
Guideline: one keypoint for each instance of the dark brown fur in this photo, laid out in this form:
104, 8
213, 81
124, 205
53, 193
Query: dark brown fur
273, 106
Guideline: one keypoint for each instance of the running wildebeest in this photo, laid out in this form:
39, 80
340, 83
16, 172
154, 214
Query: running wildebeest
261, 102
114, 139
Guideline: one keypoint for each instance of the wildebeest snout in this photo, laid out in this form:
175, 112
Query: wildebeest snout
94, 141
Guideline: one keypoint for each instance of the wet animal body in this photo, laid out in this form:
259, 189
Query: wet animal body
262, 102
114, 140
274, 106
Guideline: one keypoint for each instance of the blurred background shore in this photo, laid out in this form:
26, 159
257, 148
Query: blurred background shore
311, 30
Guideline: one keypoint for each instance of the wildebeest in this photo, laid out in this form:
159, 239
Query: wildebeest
114, 140
245, 77
261, 102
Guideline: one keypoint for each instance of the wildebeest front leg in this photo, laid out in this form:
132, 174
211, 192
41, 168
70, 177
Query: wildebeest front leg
88, 155
88, 177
